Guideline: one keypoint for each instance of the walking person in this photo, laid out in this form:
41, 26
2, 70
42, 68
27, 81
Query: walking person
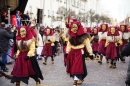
102, 40
48, 50
75, 54
112, 41
26, 65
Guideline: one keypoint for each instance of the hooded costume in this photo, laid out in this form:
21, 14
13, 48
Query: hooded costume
95, 39
48, 45
26, 64
111, 45
124, 36
75, 54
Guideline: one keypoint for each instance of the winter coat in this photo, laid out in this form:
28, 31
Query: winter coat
4, 38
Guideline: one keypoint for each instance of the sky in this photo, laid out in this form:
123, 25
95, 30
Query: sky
118, 9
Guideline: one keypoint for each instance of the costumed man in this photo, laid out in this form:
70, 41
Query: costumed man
48, 45
94, 40
102, 40
75, 54
124, 33
112, 41
26, 64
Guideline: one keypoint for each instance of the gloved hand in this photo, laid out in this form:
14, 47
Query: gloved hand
36, 46
91, 57
118, 44
66, 55
26, 58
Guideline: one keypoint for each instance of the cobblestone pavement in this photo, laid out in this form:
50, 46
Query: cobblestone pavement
98, 75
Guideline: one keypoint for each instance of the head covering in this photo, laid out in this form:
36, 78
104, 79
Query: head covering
29, 34
80, 29
100, 30
68, 20
4, 13
88, 29
94, 29
51, 32
126, 30
116, 31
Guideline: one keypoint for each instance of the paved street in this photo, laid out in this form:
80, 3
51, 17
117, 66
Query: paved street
98, 75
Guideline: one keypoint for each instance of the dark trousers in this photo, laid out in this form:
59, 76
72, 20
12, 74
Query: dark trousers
4, 59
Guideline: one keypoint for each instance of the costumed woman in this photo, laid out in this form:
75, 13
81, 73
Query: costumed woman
75, 54
26, 64
124, 33
94, 40
112, 41
102, 40
48, 39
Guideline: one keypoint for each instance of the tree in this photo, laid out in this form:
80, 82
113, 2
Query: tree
64, 13
97, 18
91, 15
105, 19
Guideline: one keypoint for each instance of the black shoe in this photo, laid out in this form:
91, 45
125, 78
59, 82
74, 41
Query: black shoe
5, 71
9, 63
6, 68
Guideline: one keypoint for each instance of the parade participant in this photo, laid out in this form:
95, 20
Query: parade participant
112, 41
87, 30
39, 46
124, 33
57, 39
48, 44
26, 64
75, 54
94, 40
69, 21
102, 40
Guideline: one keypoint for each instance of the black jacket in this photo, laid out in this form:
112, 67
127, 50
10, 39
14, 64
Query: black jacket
126, 49
4, 38
127, 81
126, 52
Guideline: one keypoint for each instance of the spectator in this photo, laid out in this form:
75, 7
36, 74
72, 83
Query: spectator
4, 43
125, 52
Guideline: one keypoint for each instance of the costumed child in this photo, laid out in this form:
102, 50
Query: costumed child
75, 54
